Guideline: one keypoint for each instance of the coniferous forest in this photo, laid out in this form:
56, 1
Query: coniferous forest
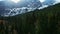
44, 21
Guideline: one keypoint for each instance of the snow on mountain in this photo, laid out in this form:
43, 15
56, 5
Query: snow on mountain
20, 8
24, 7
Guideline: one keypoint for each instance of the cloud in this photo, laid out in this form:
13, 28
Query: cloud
42, 0
49, 2
57, 1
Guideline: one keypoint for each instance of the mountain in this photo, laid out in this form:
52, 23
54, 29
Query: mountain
12, 9
44, 21
45, 10
9, 8
50, 9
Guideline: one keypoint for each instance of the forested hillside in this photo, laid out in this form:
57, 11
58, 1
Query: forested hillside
45, 21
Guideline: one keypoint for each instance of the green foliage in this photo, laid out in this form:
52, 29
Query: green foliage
45, 21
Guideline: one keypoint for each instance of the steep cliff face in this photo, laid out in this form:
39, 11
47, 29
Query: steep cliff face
45, 21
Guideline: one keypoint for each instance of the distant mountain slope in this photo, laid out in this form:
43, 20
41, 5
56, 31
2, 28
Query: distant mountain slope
8, 8
50, 9
45, 21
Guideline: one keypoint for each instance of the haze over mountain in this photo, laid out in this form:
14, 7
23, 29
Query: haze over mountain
9, 8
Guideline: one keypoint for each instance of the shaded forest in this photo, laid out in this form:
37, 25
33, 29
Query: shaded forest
44, 21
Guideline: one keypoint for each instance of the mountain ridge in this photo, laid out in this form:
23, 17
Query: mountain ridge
50, 7
46, 10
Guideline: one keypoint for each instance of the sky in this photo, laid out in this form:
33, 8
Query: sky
39, 0
42, 1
